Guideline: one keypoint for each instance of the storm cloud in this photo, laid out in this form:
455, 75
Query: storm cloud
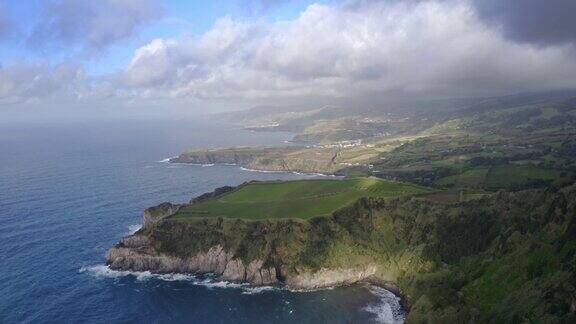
541, 22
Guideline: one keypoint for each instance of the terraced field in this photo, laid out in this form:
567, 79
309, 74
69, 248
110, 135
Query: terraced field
303, 199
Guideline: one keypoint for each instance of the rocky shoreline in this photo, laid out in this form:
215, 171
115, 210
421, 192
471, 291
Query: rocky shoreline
266, 159
135, 253
406, 245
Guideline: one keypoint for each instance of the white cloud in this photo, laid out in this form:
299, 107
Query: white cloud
401, 48
24, 82
361, 49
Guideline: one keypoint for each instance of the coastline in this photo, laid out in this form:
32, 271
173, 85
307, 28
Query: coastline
208, 254
386, 310
245, 168
208, 270
393, 288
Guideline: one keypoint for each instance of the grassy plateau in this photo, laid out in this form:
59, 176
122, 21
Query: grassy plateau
302, 199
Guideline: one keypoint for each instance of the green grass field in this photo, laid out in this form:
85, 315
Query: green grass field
507, 175
303, 199
473, 178
498, 177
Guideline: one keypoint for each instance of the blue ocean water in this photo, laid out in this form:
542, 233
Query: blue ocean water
70, 190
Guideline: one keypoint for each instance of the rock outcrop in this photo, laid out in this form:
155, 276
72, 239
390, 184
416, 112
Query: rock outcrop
329, 277
280, 159
155, 214
258, 253
134, 253
443, 257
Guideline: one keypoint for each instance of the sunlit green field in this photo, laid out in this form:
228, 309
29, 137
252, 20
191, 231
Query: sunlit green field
296, 199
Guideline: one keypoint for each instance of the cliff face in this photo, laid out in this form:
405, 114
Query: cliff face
285, 159
240, 156
135, 254
255, 252
510, 257
155, 214
259, 253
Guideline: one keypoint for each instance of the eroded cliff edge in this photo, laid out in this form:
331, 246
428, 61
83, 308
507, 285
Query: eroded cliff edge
256, 252
276, 159
503, 258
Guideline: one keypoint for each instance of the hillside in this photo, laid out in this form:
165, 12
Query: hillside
504, 257
511, 142
466, 209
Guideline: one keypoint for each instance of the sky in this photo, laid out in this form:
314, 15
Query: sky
63, 56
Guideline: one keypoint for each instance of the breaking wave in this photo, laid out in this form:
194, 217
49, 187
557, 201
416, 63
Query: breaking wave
388, 309
103, 271
134, 228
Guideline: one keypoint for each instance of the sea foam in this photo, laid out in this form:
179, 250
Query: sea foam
388, 309
134, 228
102, 271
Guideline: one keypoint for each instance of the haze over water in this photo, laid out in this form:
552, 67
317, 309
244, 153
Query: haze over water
68, 191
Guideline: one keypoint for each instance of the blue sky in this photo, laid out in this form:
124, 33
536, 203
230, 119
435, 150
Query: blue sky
178, 17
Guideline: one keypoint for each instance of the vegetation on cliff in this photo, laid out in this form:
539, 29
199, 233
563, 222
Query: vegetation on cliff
504, 257
493, 241
514, 143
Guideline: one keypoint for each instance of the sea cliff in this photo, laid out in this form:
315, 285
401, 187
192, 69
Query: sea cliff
276, 159
462, 262
255, 252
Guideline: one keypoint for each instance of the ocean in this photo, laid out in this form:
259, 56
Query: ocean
70, 190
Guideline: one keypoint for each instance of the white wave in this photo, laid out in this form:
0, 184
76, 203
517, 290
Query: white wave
312, 174
194, 164
166, 160
257, 290
388, 309
103, 271
310, 289
211, 283
327, 175
261, 171
134, 228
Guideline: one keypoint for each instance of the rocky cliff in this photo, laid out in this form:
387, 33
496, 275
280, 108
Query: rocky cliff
240, 155
259, 253
283, 159
135, 254
155, 214
255, 252
508, 257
